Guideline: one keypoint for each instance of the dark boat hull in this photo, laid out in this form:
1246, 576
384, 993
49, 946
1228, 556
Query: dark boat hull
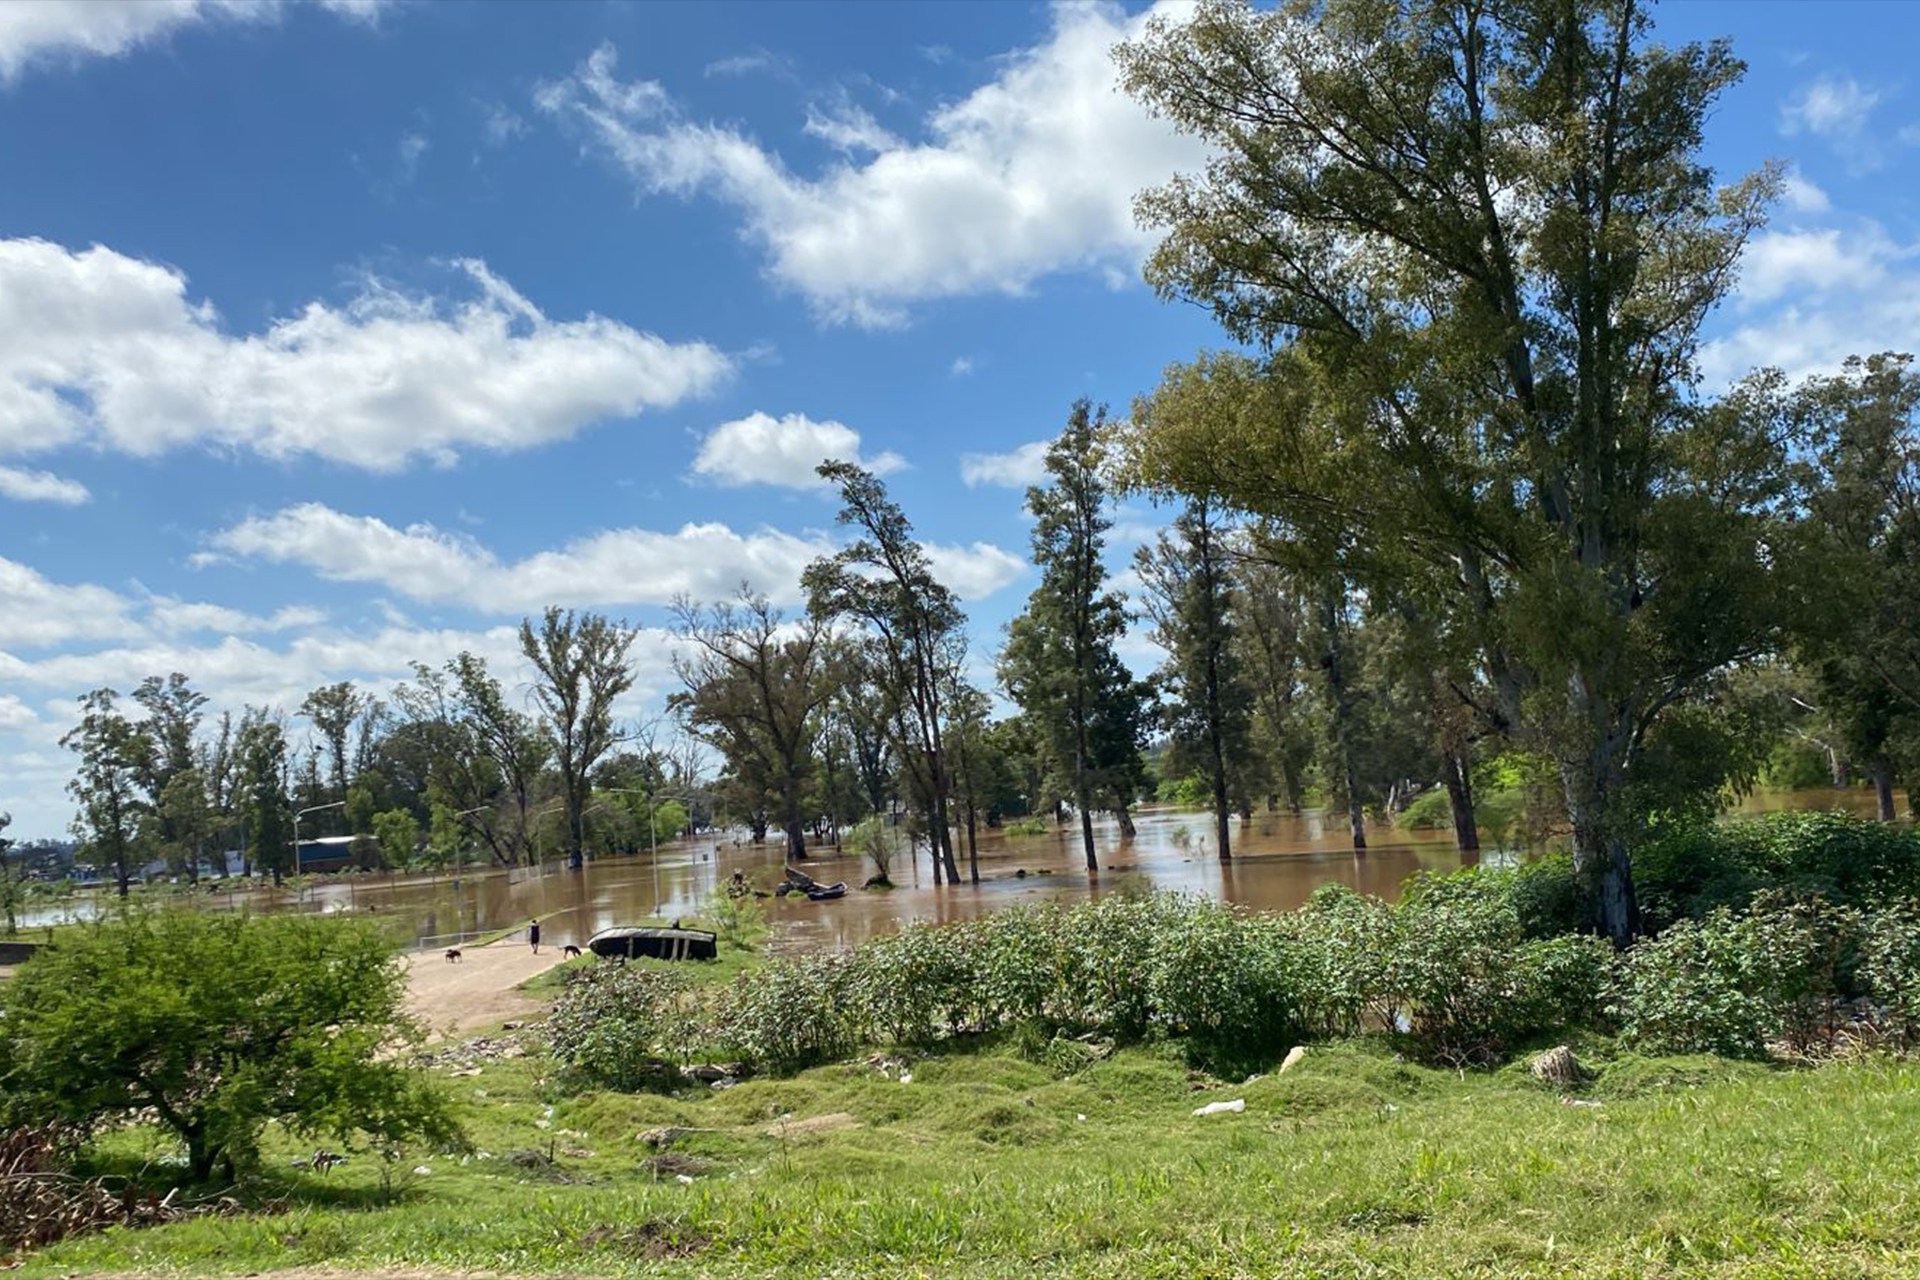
828, 892
655, 944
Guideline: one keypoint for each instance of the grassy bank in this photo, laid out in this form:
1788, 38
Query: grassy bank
988, 1164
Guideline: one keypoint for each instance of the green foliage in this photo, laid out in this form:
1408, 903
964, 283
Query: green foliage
216, 1023
792, 1014
614, 1023
1027, 827
1688, 871
1189, 791
398, 835
1472, 984
1890, 969
1733, 984
738, 919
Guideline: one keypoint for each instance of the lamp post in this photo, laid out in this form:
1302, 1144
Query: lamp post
301, 813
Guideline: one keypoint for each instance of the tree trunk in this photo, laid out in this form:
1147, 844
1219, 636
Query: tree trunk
1882, 770
933, 842
1331, 602
796, 830
973, 847
1083, 800
1600, 856
1466, 831
1124, 817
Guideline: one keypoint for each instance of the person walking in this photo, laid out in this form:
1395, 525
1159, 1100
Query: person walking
533, 935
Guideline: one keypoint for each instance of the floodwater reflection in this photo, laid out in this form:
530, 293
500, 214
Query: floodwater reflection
1278, 860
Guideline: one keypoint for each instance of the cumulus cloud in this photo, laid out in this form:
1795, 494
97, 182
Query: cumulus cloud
1024, 466
1033, 172
41, 486
762, 449
106, 349
51, 31
613, 568
38, 612
1811, 296
976, 569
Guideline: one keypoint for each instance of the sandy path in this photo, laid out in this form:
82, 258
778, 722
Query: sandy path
478, 991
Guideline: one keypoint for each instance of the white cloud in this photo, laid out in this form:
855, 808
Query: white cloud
1811, 297
975, 570
961, 366
1802, 196
502, 125
36, 611
183, 617
107, 349
614, 568
15, 714
1031, 173
46, 31
1836, 108
41, 486
1024, 466
849, 128
762, 449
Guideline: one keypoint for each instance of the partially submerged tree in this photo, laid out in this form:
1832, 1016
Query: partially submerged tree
1060, 662
883, 581
1481, 244
754, 684
582, 662
1190, 596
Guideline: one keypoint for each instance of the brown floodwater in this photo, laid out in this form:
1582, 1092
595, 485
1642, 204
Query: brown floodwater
1278, 860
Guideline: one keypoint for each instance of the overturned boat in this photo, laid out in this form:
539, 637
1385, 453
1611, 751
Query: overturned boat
637, 943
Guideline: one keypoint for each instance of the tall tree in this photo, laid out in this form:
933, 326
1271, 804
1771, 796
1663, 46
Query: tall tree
334, 708
511, 741
262, 793
1480, 243
1191, 598
1862, 639
754, 683
106, 783
1272, 638
173, 721
1060, 663
884, 581
583, 667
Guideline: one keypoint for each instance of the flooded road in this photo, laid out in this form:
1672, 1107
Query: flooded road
1279, 859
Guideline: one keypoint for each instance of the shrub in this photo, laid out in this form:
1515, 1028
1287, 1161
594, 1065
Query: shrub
1225, 982
1341, 952
1889, 969
1732, 984
918, 984
1034, 826
1431, 810
612, 1023
1687, 872
1471, 984
791, 1015
217, 1024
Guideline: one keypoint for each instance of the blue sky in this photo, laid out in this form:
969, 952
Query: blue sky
339, 334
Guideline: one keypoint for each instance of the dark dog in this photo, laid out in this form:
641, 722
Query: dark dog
453, 955
569, 951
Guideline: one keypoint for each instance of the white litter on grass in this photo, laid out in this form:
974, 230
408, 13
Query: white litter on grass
422, 1169
543, 1124
906, 1077
684, 1178
1220, 1108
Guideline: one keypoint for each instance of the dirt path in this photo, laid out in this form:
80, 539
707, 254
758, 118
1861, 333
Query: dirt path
477, 991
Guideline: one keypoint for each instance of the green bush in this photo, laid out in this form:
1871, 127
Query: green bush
1733, 984
1342, 951
1688, 872
791, 1015
614, 1023
216, 1024
1431, 810
1469, 982
1889, 970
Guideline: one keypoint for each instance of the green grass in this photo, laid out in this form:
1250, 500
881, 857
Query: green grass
1353, 1163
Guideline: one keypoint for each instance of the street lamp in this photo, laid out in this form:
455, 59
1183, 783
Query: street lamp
301, 813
